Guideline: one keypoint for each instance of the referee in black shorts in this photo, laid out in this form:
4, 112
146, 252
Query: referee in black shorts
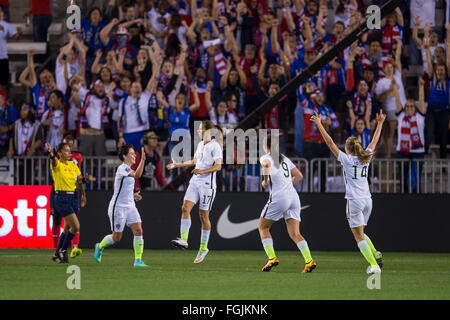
66, 175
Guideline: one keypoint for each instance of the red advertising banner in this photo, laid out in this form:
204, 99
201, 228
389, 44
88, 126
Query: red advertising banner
25, 219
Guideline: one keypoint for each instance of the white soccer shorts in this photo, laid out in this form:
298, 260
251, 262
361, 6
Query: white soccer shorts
287, 208
121, 216
203, 195
358, 212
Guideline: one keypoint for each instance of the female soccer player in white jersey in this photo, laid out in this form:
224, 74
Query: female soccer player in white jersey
202, 187
122, 208
355, 163
281, 175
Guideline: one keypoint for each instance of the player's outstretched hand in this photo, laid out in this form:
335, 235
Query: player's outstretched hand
48, 147
137, 196
172, 165
316, 118
264, 184
88, 177
380, 117
142, 154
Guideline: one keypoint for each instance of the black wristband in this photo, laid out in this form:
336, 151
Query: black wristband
52, 157
83, 180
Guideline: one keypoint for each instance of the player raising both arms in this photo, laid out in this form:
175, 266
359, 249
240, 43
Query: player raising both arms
202, 187
355, 163
122, 208
281, 175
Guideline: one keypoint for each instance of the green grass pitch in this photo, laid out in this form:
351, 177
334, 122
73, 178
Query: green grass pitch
30, 274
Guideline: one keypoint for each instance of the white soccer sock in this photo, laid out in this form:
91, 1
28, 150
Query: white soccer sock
204, 239
184, 228
107, 241
304, 249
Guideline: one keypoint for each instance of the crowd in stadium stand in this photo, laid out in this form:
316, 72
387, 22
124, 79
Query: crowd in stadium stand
140, 66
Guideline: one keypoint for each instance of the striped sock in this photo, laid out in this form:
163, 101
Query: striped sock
369, 242
138, 244
204, 240
184, 228
367, 253
106, 242
268, 247
304, 249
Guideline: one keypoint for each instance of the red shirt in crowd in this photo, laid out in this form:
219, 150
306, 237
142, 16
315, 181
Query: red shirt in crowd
76, 158
40, 7
4, 3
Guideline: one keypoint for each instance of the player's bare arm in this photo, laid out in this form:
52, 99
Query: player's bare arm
216, 167
376, 136
329, 141
297, 176
266, 172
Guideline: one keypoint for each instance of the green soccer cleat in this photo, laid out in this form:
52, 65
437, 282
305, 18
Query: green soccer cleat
75, 252
379, 258
98, 253
140, 263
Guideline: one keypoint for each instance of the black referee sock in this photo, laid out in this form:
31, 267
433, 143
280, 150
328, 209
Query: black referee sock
60, 243
67, 239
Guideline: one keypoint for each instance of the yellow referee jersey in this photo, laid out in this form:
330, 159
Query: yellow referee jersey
65, 176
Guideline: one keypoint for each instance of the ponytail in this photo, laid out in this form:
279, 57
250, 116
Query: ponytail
356, 149
275, 153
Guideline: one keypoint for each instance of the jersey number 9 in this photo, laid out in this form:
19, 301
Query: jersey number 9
285, 169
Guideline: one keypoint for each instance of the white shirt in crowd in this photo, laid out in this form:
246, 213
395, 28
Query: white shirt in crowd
72, 69
222, 121
153, 16
72, 115
131, 116
420, 118
355, 176
54, 136
94, 112
6, 31
123, 188
280, 181
433, 58
206, 155
425, 9
383, 85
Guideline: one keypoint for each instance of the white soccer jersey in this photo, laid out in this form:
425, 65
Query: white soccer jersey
123, 188
206, 155
355, 176
280, 179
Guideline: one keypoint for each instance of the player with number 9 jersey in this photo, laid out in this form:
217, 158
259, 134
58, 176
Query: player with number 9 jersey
281, 175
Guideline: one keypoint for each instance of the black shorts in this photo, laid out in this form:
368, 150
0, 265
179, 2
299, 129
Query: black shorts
4, 74
66, 204
57, 217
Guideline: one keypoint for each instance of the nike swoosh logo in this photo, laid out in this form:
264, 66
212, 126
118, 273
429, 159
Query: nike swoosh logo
229, 230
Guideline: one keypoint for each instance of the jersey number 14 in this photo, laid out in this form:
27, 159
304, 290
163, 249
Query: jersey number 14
363, 172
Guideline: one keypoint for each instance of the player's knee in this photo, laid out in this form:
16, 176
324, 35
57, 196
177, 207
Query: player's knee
295, 235
138, 232
185, 209
262, 228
